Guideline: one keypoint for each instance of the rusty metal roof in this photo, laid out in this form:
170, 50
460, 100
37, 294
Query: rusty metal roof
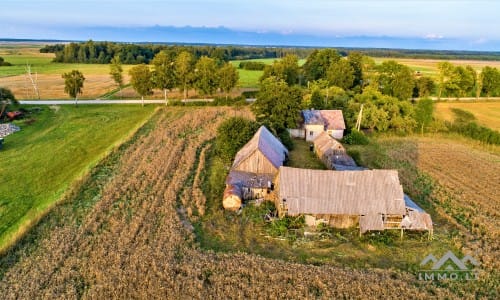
341, 192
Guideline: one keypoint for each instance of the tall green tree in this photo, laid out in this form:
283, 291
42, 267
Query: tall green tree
116, 72
395, 80
341, 74
73, 84
286, 69
164, 72
318, 62
141, 80
278, 104
424, 86
464, 79
355, 59
423, 113
445, 78
206, 77
184, 67
228, 78
490, 79
232, 134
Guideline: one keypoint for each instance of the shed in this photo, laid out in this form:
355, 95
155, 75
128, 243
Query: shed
263, 154
331, 152
340, 198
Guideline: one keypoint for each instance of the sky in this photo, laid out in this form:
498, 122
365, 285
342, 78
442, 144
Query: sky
475, 23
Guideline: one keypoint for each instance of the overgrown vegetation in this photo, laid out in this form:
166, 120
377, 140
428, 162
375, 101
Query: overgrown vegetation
465, 124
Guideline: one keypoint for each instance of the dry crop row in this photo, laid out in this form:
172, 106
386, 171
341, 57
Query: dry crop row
134, 244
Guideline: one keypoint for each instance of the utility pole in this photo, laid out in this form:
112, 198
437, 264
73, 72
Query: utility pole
358, 121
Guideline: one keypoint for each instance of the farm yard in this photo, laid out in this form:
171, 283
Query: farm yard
123, 232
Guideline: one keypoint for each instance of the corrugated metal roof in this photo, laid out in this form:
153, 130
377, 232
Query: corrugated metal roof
248, 179
331, 119
264, 141
341, 192
324, 143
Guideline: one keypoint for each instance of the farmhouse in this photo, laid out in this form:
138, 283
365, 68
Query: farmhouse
254, 168
317, 121
374, 199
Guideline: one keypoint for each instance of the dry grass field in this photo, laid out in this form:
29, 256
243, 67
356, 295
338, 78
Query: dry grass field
429, 66
129, 238
486, 113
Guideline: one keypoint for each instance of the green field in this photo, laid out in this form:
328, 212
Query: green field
41, 161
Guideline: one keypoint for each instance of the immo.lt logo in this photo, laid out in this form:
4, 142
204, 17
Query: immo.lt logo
448, 267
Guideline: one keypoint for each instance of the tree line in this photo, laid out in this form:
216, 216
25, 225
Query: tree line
355, 83
104, 52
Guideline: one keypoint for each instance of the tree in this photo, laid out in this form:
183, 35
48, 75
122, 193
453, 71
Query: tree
206, 76
395, 80
355, 59
228, 78
341, 74
464, 78
116, 72
232, 134
6, 98
164, 72
184, 67
318, 62
278, 104
424, 86
141, 80
73, 84
445, 78
490, 80
286, 69
423, 113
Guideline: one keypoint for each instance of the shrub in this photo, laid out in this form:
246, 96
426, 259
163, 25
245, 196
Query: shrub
356, 138
252, 65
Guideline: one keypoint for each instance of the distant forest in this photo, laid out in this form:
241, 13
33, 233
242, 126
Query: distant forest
103, 52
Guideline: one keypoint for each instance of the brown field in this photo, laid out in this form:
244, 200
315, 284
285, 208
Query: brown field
136, 243
470, 178
486, 113
429, 66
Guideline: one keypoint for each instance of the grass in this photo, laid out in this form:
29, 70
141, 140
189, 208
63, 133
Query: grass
486, 113
41, 161
302, 157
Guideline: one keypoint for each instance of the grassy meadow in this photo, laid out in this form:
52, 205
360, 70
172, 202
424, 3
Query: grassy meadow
41, 161
486, 113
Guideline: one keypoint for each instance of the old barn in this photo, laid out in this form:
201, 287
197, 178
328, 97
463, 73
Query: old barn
331, 152
254, 168
372, 199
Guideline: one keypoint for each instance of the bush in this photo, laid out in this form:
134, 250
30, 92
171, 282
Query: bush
252, 65
356, 155
250, 94
233, 134
356, 138
286, 140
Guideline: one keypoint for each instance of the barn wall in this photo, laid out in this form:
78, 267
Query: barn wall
257, 163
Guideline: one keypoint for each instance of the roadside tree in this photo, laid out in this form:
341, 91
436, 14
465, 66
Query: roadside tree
164, 73
73, 84
116, 72
141, 80
228, 78
206, 76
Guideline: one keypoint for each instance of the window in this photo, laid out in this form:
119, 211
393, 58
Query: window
311, 133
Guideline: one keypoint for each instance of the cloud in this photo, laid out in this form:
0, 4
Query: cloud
433, 36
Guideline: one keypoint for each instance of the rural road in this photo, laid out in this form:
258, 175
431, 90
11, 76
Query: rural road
98, 101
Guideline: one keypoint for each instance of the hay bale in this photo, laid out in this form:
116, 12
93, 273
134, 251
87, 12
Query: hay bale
232, 198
